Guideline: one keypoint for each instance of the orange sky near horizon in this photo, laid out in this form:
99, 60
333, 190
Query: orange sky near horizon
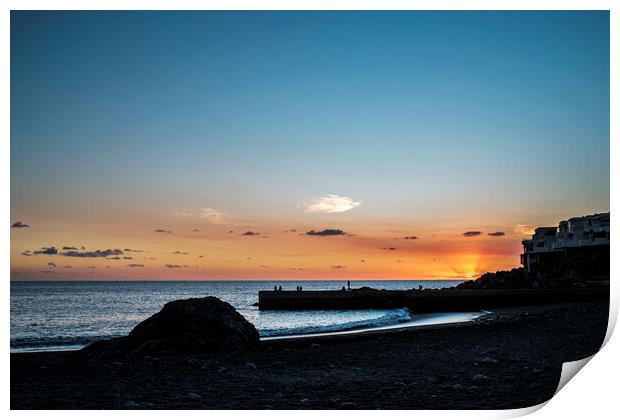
193, 248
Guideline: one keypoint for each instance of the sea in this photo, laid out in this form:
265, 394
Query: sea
66, 315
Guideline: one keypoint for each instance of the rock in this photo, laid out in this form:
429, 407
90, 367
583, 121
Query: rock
250, 365
480, 377
194, 396
348, 406
488, 360
189, 326
315, 346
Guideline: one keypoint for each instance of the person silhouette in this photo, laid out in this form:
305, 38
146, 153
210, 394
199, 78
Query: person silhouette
349, 284
280, 289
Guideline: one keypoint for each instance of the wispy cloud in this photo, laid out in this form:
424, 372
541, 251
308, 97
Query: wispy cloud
135, 265
525, 230
212, 215
250, 233
329, 203
162, 231
172, 266
496, 234
18, 225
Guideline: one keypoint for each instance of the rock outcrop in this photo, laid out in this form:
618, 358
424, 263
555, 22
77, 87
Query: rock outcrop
189, 326
513, 279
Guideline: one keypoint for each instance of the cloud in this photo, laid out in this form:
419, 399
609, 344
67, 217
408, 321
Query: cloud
496, 234
326, 232
329, 203
250, 233
184, 213
196, 230
47, 271
128, 258
411, 238
525, 230
19, 225
172, 266
93, 254
51, 264
26, 254
212, 215
113, 258
50, 250
69, 248
391, 248
135, 265
471, 233
132, 250
91, 266
290, 231
162, 231
338, 267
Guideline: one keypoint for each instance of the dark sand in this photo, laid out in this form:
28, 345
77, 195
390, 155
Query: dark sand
509, 360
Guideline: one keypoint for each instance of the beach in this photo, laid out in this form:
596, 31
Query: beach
511, 358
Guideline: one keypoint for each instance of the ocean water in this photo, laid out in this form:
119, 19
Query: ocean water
71, 314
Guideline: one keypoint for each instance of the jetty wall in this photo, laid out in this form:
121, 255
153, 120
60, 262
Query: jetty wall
422, 300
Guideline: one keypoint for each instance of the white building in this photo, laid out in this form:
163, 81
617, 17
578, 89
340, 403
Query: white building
574, 233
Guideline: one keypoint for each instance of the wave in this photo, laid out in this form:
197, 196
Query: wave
59, 341
396, 316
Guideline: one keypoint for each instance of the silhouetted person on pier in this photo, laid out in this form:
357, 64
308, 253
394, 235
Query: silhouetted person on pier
301, 288
280, 289
343, 289
275, 288
349, 284
420, 287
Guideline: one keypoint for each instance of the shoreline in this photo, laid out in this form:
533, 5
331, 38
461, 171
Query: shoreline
343, 335
508, 359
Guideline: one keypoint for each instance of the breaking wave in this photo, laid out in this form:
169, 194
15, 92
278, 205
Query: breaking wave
395, 316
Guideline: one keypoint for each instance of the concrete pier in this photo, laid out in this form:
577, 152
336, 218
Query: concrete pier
422, 300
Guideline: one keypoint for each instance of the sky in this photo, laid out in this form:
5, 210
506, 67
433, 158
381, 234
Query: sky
300, 145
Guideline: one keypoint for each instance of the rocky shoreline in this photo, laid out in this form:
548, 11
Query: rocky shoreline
511, 359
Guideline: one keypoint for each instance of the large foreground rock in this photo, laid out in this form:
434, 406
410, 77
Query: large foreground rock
189, 326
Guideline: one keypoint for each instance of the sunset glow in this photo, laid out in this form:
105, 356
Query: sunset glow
291, 146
